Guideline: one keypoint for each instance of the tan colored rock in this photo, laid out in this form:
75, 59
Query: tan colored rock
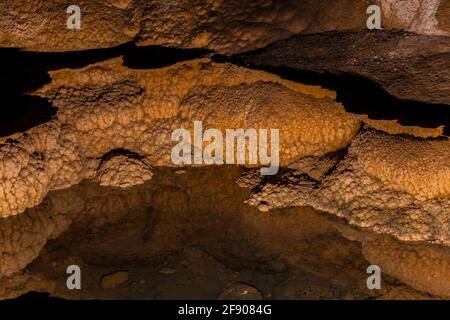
240, 291
156, 217
420, 16
114, 279
124, 171
425, 268
407, 66
107, 107
389, 184
42, 26
150, 104
418, 167
113, 127
229, 26
393, 127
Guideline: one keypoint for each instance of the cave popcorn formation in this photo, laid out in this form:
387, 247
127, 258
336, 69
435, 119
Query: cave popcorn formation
388, 182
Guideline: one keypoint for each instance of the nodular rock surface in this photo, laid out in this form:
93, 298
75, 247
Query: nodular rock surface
94, 184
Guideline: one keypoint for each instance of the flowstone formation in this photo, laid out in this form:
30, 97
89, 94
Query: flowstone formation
355, 123
228, 27
191, 235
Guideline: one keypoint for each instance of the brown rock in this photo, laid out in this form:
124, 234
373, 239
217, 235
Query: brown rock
229, 26
114, 279
240, 291
406, 65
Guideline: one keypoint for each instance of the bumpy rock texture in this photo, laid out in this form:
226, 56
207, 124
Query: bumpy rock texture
228, 26
107, 107
389, 184
358, 183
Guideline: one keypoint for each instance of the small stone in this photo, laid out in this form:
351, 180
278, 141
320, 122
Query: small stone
240, 291
166, 270
263, 207
112, 280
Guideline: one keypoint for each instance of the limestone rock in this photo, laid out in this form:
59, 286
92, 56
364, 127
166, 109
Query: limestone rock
229, 26
109, 227
376, 191
240, 291
407, 65
110, 281
363, 173
107, 107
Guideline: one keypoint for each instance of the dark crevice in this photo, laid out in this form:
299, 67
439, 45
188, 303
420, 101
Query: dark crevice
37, 296
22, 72
361, 95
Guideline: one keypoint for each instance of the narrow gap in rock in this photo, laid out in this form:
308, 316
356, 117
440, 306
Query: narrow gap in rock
22, 72
152, 57
360, 95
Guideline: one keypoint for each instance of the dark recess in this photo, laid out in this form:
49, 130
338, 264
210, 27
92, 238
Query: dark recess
361, 95
36, 296
22, 72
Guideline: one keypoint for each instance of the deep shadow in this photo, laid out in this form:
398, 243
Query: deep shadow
37, 296
22, 72
152, 57
360, 95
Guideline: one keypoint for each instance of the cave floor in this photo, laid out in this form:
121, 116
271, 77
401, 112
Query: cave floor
189, 235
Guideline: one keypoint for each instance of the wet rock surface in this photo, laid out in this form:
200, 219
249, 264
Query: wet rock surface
408, 66
227, 27
87, 170
191, 236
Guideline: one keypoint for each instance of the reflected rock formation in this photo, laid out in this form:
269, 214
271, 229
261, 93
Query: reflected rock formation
90, 180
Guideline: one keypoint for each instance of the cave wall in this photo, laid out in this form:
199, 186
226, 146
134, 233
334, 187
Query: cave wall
363, 119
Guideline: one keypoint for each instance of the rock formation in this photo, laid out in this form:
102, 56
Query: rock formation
228, 27
408, 66
363, 119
